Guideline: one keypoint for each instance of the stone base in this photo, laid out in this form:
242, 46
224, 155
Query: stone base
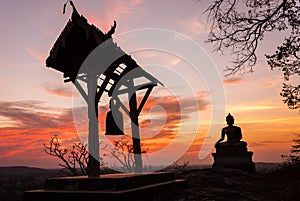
122, 187
235, 160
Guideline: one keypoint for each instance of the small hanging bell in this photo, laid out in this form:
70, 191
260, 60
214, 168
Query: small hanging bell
114, 123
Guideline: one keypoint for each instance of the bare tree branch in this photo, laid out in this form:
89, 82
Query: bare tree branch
73, 160
54, 149
123, 153
240, 25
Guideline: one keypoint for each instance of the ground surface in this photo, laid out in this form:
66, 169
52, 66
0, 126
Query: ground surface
208, 185
202, 184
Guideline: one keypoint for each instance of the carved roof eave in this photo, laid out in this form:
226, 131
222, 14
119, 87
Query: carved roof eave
91, 31
99, 37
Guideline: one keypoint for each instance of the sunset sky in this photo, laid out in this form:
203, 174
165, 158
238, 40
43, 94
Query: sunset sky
35, 103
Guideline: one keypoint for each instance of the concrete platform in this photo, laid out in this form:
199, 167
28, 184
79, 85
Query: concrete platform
238, 160
157, 186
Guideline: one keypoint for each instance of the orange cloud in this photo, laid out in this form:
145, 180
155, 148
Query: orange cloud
196, 26
160, 120
59, 90
265, 83
45, 122
33, 126
37, 56
232, 81
165, 122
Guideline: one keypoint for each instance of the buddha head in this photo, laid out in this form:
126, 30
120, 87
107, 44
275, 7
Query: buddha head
229, 119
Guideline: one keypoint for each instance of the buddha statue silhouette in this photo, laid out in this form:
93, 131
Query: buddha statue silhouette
233, 134
233, 153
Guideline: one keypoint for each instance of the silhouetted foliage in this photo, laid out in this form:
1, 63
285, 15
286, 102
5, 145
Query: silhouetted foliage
293, 159
72, 159
123, 153
291, 95
287, 58
179, 169
240, 25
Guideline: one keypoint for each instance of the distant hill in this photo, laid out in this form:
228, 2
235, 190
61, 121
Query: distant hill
259, 166
23, 170
16, 179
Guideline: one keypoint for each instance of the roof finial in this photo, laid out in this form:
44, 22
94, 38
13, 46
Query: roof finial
64, 10
75, 14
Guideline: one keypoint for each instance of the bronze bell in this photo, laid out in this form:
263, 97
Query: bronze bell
114, 122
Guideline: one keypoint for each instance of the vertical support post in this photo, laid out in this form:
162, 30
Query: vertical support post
134, 116
93, 138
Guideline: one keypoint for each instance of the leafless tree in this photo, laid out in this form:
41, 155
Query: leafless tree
123, 153
74, 160
239, 26
179, 169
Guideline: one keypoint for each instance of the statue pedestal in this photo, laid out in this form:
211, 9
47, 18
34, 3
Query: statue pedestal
121, 187
234, 157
